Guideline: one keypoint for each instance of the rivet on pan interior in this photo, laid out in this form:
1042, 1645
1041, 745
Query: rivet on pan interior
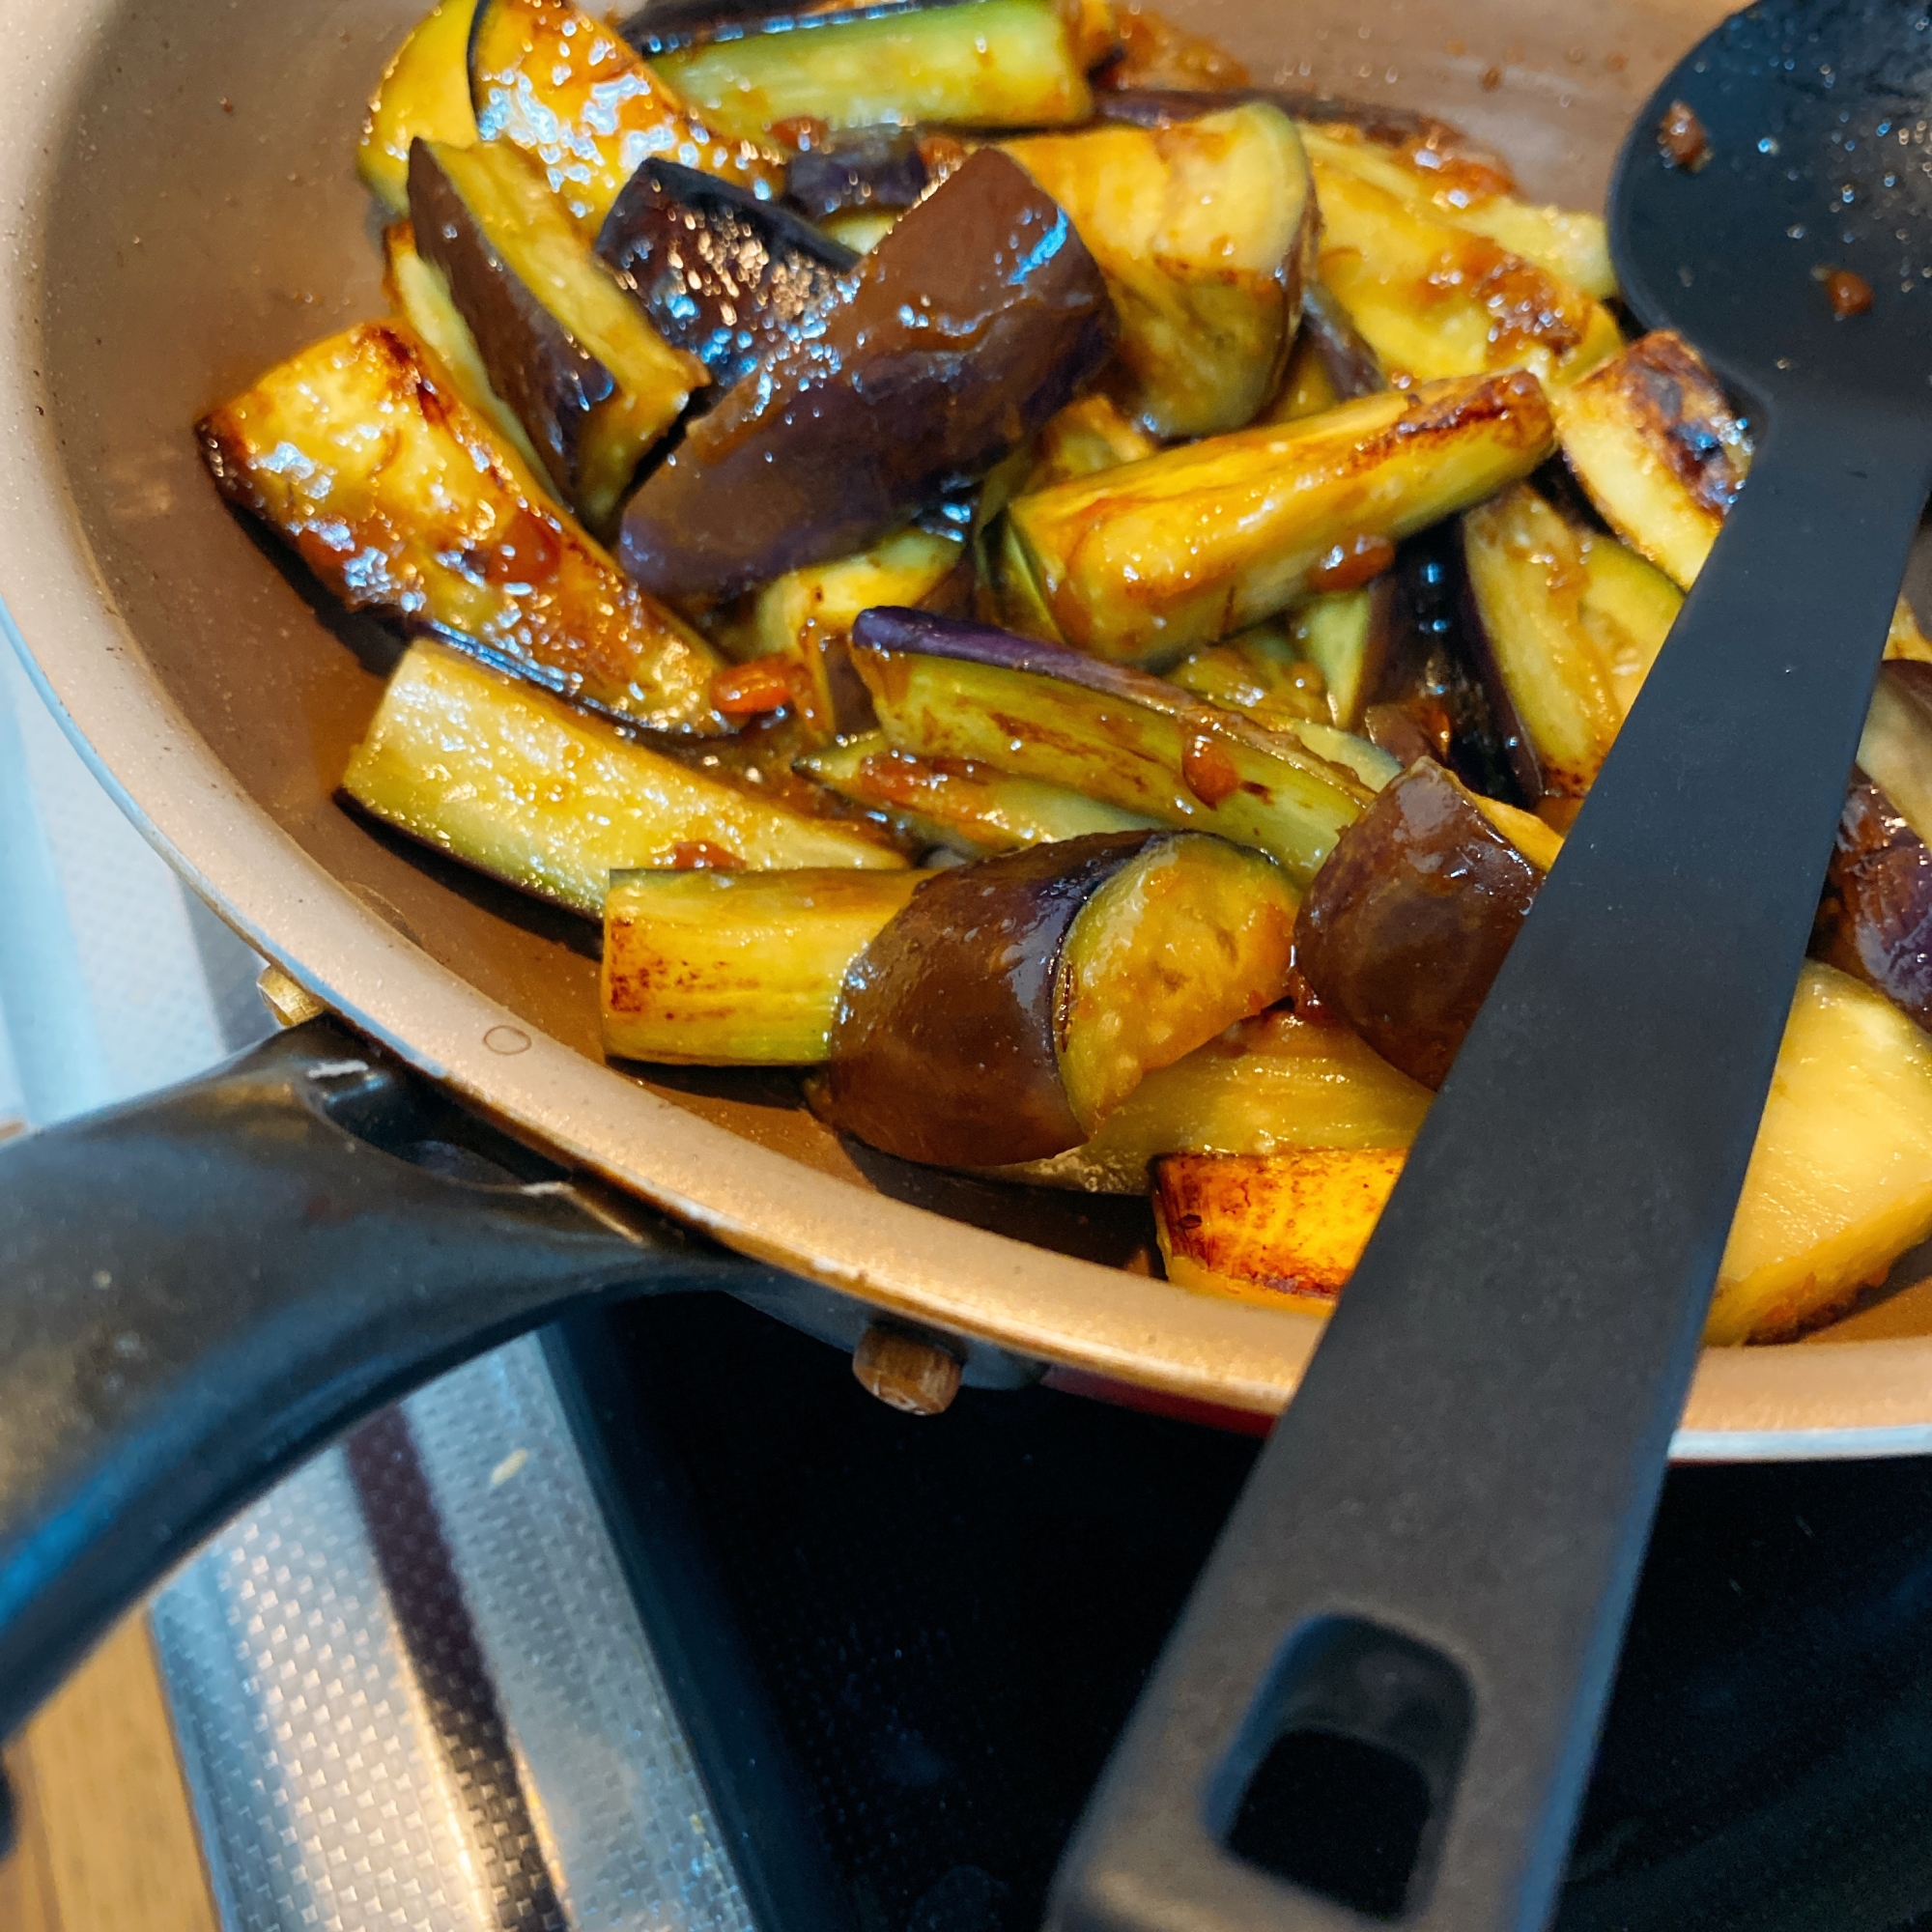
906, 1371
507, 1040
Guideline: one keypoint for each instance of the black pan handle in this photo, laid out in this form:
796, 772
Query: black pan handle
198, 1290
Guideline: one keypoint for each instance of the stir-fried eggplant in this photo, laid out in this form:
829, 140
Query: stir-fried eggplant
424, 96
418, 292
1207, 233
402, 501
663, 26
553, 799
736, 969
1267, 1085
880, 169
723, 276
945, 690
969, 324
1260, 674
1406, 925
1085, 438
959, 803
982, 64
546, 76
1153, 52
592, 382
1435, 301
1271, 1227
1143, 563
1017, 1001
1346, 637
1895, 746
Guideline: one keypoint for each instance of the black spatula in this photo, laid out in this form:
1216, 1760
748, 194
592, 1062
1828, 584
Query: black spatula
1433, 1558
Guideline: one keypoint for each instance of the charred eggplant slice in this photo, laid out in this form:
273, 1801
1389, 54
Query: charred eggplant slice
592, 382
1143, 563
969, 324
424, 95
723, 276
948, 690
1406, 926
553, 800
736, 969
1017, 1001
1206, 232
402, 501
980, 64
549, 78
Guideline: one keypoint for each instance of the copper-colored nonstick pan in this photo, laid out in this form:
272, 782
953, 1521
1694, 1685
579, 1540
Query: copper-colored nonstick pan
180, 211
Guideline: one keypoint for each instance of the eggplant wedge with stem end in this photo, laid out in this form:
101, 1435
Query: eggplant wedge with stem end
592, 382
553, 800
547, 77
402, 501
1143, 563
989, 64
1018, 1001
950, 690
1205, 233
969, 324
424, 93
736, 969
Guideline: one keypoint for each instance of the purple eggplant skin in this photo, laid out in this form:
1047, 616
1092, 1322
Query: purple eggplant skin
1406, 926
866, 167
978, 317
663, 27
720, 274
1875, 916
1351, 365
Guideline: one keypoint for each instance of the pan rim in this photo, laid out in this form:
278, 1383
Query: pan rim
1851, 1399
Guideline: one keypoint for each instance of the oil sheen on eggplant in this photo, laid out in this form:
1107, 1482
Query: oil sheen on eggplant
971, 324
1018, 1000
723, 276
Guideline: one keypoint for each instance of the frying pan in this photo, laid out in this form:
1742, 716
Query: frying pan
179, 211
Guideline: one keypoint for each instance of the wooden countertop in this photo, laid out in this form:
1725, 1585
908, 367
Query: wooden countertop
105, 1838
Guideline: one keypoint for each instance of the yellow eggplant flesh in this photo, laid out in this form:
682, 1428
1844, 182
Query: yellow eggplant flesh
1143, 563
736, 969
1345, 635
402, 501
969, 808
593, 384
1087, 435
1628, 606
1206, 230
1307, 388
978, 64
554, 799
1265, 1086
568, 91
1260, 674
945, 690
1273, 1227
1435, 301
424, 93
1567, 243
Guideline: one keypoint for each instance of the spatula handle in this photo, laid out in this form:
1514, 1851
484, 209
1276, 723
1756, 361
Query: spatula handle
1435, 1552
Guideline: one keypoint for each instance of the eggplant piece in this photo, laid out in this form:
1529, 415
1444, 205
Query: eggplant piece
424, 93
1403, 930
1435, 301
1875, 917
593, 384
878, 169
736, 969
1345, 635
418, 292
1017, 1001
1840, 1179
973, 321
1330, 362
1895, 746
665, 26
551, 799
546, 77
1140, 566
966, 807
1270, 1227
723, 276
1267, 1085
1207, 233
402, 501
948, 690
1086, 437
1565, 243
1155, 52
1260, 674
984, 63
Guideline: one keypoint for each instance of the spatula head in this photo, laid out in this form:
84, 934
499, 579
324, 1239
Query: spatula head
1817, 124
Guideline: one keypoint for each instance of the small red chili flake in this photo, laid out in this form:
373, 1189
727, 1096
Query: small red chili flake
1683, 139
1351, 564
1207, 770
1848, 292
752, 688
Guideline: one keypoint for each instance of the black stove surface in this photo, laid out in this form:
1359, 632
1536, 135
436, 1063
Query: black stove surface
904, 1646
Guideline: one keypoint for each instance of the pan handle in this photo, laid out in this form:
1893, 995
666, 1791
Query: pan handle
198, 1290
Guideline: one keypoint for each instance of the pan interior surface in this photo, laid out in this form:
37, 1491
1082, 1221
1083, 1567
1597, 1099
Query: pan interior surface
182, 178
